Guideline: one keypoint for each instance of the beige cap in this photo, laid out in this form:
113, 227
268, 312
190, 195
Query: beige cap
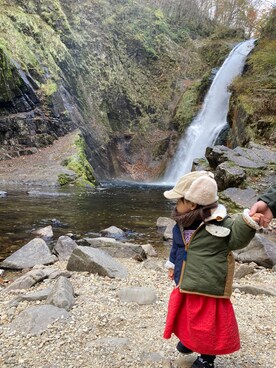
203, 191
184, 183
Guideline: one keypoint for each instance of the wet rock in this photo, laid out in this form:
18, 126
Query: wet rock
33, 253
95, 261
3, 194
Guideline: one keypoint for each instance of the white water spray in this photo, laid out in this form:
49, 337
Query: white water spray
209, 122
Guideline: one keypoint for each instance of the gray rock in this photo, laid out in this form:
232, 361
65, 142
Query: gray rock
264, 154
216, 155
243, 270
227, 175
249, 289
163, 222
33, 253
140, 295
115, 248
149, 250
95, 261
260, 250
62, 294
242, 157
149, 264
27, 280
35, 320
242, 197
45, 232
168, 233
113, 232
37, 295
64, 247
3, 194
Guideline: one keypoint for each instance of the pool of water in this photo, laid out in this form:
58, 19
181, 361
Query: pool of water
83, 212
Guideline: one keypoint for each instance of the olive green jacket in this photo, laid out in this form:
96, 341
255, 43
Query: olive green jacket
209, 267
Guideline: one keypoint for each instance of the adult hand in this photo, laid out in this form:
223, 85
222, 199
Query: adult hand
262, 207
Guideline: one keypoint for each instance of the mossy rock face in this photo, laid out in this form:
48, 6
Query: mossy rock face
110, 68
252, 113
80, 166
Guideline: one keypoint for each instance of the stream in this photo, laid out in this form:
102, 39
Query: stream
83, 212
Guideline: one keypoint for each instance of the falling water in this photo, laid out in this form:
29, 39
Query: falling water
209, 122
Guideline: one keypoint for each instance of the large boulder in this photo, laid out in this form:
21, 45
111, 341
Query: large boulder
255, 158
260, 250
229, 175
34, 320
33, 253
115, 248
95, 261
241, 197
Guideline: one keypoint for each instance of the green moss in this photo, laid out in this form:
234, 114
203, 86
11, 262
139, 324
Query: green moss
64, 179
49, 88
80, 165
186, 109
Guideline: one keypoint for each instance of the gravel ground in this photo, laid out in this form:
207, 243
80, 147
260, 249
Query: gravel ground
104, 332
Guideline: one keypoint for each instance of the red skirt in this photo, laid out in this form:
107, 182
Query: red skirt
203, 324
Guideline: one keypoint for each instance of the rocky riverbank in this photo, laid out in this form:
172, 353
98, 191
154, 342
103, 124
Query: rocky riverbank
104, 329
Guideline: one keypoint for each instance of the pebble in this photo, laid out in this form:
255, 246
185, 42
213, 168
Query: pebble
100, 322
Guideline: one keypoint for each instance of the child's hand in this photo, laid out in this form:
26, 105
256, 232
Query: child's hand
170, 273
258, 217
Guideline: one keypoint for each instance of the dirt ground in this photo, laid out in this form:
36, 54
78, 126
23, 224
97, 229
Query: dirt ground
41, 168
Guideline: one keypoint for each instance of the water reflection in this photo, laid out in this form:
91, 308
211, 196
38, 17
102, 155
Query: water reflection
81, 211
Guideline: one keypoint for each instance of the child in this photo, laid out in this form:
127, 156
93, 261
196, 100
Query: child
201, 263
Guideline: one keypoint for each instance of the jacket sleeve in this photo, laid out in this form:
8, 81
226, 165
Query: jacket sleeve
173, 251
241, 232
270, 199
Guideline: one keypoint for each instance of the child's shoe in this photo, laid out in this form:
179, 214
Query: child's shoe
182, 348
200, 363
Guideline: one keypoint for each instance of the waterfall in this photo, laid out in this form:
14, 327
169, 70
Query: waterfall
206, 126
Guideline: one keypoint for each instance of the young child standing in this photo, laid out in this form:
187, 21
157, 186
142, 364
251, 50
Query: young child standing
201, 263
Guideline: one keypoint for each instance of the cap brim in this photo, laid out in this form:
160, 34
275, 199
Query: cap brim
172, 194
